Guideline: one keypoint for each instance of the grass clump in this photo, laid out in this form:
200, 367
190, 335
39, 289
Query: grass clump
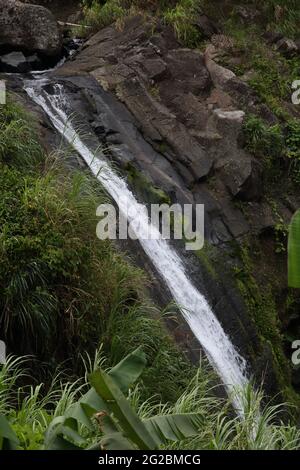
182, 18
18, 139
276, 144
261, 139
100, 14
181, 15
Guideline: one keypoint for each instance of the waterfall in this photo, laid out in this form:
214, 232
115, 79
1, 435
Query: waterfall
227, 362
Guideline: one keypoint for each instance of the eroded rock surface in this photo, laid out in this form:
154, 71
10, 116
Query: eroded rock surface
189, 109
28, 28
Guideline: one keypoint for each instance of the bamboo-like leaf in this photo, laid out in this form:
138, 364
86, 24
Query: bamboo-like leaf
133, 427
294, 252
166, 428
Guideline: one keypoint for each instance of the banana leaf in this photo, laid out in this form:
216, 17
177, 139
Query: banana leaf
8, 438
131, 424
294, 252
175, 428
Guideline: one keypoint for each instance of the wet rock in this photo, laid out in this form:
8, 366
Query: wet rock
188, 71
206, 26
272, 36
30, 28
247, 14
286, 46
243, 178
262, 217
185, 106
234, 220
15, 62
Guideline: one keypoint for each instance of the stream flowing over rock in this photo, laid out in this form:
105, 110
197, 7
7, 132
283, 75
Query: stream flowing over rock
28, 28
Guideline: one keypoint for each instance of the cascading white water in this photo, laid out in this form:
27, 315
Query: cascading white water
229, 365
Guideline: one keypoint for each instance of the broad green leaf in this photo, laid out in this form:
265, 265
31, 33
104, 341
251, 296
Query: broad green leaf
166, 428
59, 443
129, 369
294, 252
116, 441
86, 407
8, 438
62, 426
5, 429
121, 409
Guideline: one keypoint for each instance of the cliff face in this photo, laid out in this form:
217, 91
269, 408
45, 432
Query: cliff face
180, 130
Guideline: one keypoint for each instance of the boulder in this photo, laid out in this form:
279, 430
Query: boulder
29, 28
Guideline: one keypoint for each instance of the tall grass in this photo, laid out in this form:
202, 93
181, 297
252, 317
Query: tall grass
18, 138
260, 429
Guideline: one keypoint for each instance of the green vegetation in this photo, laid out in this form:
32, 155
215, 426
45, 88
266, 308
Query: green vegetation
275, 145
104, 410
180, 14
262, 307
63, 291
144, 188
182, 17
294, 252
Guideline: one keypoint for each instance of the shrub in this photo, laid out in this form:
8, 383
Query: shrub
263, 140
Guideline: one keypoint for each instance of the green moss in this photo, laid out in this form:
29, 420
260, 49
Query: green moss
144, 188
207, 257
263, 310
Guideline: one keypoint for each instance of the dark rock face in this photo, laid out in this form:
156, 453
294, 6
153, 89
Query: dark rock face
29, 28
186, 106
206, 26
190, 110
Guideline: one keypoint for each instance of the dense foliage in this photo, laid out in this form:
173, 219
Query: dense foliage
105, 410
63, 291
